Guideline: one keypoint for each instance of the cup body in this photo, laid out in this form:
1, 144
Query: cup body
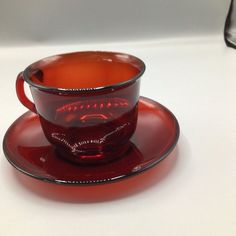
87, 103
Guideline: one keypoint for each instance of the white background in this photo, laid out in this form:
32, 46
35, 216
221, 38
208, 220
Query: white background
189, 70
88, 21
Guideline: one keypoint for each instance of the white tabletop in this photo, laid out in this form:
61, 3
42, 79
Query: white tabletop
192, 192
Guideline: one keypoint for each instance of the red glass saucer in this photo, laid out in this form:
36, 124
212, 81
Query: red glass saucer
27, 149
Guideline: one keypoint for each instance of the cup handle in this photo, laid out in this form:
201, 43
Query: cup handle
20, 91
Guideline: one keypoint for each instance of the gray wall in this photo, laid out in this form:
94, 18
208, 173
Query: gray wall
85, 21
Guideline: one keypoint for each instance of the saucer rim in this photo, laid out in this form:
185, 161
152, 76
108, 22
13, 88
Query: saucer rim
96, 182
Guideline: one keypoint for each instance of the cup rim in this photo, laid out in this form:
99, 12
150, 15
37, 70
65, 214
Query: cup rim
84, 90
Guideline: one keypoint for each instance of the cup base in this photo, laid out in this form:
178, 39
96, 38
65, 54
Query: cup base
94, 157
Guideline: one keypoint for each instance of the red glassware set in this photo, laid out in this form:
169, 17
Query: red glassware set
87, 123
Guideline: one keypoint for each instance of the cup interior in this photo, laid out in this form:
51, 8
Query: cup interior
84, 70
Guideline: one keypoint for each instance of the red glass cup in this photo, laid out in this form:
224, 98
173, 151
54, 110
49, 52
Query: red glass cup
87, 102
